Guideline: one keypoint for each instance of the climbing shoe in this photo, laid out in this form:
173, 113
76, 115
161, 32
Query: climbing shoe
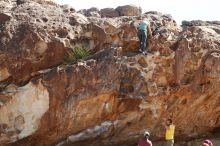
145, 52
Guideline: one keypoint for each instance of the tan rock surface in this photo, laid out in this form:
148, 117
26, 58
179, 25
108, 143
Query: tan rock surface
129, 10
109, 12
117, 93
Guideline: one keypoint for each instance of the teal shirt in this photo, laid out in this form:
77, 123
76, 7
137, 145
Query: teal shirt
143, 26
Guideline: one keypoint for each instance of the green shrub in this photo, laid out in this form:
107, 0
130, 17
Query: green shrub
75, 54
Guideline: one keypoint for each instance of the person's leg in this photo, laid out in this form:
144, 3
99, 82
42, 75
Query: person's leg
139, 35
146, 42
143, 40
169, 142
140, 39
172, 142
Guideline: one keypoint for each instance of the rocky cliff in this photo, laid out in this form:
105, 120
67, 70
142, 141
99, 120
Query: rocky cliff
116, 93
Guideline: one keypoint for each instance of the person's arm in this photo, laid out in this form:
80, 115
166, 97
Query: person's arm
164, 125
136, 29
167, 127
134, 24
149, 31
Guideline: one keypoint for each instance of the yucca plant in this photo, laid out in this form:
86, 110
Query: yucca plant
75, 54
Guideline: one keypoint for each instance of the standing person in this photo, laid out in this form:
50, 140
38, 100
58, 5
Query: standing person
143, 30
169, 135
145, 141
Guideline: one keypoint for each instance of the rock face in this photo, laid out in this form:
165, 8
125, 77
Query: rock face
23, 114
116, 93
92, 12
109, 12
129, 10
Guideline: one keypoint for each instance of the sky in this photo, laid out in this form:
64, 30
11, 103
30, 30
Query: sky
180, 9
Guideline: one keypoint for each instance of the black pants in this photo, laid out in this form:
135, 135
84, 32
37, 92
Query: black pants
142, 35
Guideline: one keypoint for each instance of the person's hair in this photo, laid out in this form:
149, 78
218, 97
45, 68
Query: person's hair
146, 135
170, 120
139, 17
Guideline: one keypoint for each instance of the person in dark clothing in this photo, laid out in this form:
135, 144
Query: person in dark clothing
145, 141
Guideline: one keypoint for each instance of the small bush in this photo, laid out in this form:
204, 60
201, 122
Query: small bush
75, 54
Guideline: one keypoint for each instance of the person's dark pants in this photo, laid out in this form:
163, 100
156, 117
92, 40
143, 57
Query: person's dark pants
142, 35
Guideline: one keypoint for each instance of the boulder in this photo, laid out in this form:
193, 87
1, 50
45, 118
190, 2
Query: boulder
117, 98
53, 2
4, 17
91, 12
115, 94
68, 9
109, 12
200, 23
129, 10
29, 34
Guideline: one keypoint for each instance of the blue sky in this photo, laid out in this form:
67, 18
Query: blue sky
179, 9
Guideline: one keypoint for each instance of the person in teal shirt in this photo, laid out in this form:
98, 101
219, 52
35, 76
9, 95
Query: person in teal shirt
143, 30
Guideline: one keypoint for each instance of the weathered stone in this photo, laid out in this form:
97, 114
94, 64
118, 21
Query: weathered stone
142, 62
129, 10
38, 1
4, 74
113, 96
92, 12
109, 12
32, 33
200, 23
68, 9
24, 111
4, 17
